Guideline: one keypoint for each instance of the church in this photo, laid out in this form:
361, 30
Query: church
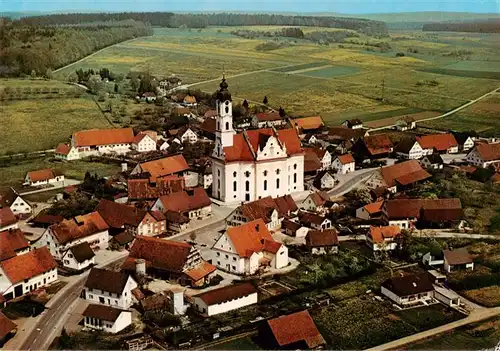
256, 163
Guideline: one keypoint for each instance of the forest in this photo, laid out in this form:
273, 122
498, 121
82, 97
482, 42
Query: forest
168, 19
37, 50
483, 26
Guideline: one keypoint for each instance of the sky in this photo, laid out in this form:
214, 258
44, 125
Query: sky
302, 6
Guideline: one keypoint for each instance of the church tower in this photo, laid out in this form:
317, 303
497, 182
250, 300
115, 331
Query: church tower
224, 131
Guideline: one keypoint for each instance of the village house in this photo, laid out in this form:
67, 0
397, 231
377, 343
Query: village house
314, 221
344, 138
484, 155
427, 213
134, 220
433, 259
323, 155
434, 161
304, 125
372, 147
14, 201
399, 175
188, 136
294, 228
108, 319
102, 141
271, 211
190, 101
409, 289
248, 248
143, 142
225, 299
457, 259
383, 238
42, 177
60, 237
163, 167
406, 123
109, 288
464, 140
162, 145
24, 273
8, 219
13, 243
148, 96
66, 152
324, 180
322, 242
255, 163
296, 331
438, 143
142, 189
353, 124
7, 329
312, 163
267, 120
316, 202
79, 257
409, 149
370, 211
344, 164
121, 240
168, 260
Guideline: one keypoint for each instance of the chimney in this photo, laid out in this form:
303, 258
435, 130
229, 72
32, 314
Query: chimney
140, 267
124, 166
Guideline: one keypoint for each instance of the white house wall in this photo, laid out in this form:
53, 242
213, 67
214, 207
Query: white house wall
122, 300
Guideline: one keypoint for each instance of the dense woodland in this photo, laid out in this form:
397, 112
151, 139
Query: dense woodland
483, 26
168, 19
38, 49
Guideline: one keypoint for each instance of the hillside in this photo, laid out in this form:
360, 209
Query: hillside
491, 25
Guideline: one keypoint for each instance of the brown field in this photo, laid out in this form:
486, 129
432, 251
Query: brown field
392, 120
487, 106
489, 296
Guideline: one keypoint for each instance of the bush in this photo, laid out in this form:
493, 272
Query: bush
400, 54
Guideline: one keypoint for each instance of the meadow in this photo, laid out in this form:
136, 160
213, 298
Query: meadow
355, 79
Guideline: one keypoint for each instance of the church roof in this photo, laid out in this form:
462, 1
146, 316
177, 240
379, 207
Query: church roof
223, 93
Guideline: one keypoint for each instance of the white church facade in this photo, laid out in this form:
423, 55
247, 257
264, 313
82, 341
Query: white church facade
255, 163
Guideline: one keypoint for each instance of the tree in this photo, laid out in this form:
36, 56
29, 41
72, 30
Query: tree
282, 112
73, 78
134, 84
265, 100
245, 104
361, 195
33, 74
48, 73
116, 88
95, 83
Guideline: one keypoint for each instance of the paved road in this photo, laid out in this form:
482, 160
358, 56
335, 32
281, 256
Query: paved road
475, 316
61, 185
351, 182
456, 235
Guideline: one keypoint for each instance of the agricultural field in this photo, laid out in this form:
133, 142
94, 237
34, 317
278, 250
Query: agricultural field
433, 71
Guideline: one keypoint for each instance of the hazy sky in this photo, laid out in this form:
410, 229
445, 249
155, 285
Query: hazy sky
339, 6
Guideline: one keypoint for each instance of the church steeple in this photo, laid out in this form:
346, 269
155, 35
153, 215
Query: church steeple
223, 93
224, 131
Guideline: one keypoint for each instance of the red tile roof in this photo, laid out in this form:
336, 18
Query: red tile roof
94, 137
142, 189
186, 200
201, 271
6, 326
404, 173
316, 238
28, 265
251, 237
346, 159
440, 142
11, 241
458, 256
263, 208
159, 254
209, 125
412, 208
7, 217
227, 293
41, 175
78, 227
117, 215
210, 114
374, 207
165, 166
308, 217
309, 123
268, 116
319, 198
137, 139
294, 328
379, 234
378, 144
312, 162
63, 149
488, 152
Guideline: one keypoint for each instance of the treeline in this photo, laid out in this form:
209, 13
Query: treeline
34, 48
484, 26
168, 19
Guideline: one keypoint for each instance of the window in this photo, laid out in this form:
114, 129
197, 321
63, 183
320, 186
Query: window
247, 186
218, 254
265, 185
227, 256
227, 123
295, 177
234, 258
234, 268
265, 173
278, 171
234, 186
277, 183
218, 172
235, 174
247, 174
295, 166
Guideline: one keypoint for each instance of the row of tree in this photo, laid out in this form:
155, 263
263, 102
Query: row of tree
168, 19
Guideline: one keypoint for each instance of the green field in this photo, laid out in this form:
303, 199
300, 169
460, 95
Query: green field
40, 124
299, 67
330, 72
486, 66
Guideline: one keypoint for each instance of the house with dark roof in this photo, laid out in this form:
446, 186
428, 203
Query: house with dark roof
438, 143
248, 248
383, 238
22, 274
314, 221
457, 259
43, 177
168, 260
324, 180
434, 161
372, 147
353, 123
312, 162
18, 205
271, 210
13, 243
121, 240
465, 141
7, 329
294, 228
225, 299
296, 331
409, 289
406, 123
268, 119
322, 242
109, 288
79, 257
8, 219
484, 155
108, 319
409, 149
141, 189
318, 201
398, 176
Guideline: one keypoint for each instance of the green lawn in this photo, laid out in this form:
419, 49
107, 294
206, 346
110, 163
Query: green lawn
33, 125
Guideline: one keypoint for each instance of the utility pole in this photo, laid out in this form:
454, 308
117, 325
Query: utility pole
383, 89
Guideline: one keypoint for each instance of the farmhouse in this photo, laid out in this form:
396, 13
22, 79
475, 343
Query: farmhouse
322, 242
143, 142
344, 164
464, 140
457, 259
383, 238
108, 319
8, 219
409, 149
316, 202
255, 163
162, 145
373, 147
353, 124
109, 288
323, 155
438, 143
484, 155
294, 228
406, 123
188, 136
141, 189
24, 273
248, 248
401, 174
162, 167
409, 289
89, 228
102, 141
312, 163
295, 331
371, 211
311, 124
324, 180
225, 299
434, 161
13, 243
191, 203
267, 120
169, 260
15, 202
66, 152
314, 221
79, 257
42, 177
